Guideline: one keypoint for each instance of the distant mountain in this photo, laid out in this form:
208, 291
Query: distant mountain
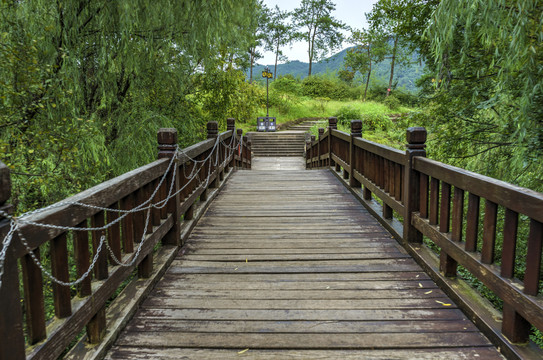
405, 75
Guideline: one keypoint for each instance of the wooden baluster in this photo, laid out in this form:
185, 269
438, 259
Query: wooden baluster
34, 300
12, 345
489, 232
231, 126
127, 203
514, 326
398, 185
386, 174
189, 213
356, 132
162, 194
458, 214
332, 125
96, 328
510, 227
391, 178
424, 195
100, 269
213, 133
416, 139
434, 201
308, 164
82, 259
447, 264
59, 269
472, 226
145, 267
139, 216
249, 153
533, 258
240, 154
202, 172
114, 233
319, 150
155, 213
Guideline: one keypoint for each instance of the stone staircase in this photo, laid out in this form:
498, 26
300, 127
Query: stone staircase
278, 144
304, 126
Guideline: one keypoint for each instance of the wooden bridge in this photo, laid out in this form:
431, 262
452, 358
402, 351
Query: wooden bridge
264, 264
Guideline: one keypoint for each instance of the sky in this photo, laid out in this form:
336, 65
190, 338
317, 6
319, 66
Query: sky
350, 12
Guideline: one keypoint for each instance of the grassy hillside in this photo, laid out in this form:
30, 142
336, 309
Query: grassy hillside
404, 75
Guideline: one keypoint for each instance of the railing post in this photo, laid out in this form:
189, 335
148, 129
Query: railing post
308, 165
12, 343
356, 131
231, 126
332, 125
167, 140
212, 133
321, 134
313, 151
249, 153
416, 139
240, 150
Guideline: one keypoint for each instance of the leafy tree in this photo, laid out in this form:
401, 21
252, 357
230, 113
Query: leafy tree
318, 28
388, 17
487, 85
279, 34
370, 48
259, 23
83, 81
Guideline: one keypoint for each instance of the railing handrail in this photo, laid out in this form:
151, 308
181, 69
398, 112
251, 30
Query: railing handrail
401, 180
163, 182
522, 200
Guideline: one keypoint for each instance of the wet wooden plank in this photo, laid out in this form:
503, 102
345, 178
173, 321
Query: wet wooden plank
290, 265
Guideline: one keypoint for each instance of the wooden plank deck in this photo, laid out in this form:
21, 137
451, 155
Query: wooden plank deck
290, 266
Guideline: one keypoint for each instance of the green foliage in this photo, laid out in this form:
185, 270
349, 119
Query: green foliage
392, 102
82, 83
321, 86
318, 28
287, 84
347, 113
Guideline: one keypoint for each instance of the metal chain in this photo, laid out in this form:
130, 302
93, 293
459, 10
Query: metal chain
16, 221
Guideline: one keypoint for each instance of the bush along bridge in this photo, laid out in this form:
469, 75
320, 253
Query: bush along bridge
185, 258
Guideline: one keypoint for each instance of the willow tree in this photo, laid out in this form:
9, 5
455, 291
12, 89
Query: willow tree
488, 76
81, 82
318, 28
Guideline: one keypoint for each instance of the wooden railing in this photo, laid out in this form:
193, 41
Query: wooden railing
413, 196
199, 171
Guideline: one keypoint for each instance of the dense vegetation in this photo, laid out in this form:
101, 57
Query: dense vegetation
85, 85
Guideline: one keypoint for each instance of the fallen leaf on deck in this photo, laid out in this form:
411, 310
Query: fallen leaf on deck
442, 303
243, 351
428, 292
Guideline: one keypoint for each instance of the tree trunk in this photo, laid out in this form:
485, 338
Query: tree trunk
392, 64
276, 57
251, 71
367, 80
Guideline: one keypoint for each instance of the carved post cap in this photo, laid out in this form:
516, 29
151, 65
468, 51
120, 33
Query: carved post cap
321, 132
416, 137
167, 141
212, 129
239, 132
230, 124
332, 122
5, 184
356, 128
167, 136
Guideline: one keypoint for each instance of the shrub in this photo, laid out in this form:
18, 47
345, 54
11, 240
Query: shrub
392, 102
371, 121
347, 113
286, 84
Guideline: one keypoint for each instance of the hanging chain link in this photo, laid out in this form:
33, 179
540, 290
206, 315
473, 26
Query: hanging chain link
147, 205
